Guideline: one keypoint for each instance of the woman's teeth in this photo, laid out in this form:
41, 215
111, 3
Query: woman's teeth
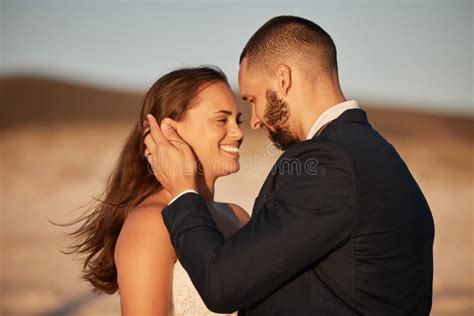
230, 149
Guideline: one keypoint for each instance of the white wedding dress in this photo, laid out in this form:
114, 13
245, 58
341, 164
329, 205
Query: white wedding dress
185, 300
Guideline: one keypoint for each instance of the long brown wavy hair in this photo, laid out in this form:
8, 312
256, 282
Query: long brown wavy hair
130, 181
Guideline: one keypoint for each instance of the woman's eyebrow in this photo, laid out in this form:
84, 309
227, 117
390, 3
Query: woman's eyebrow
224, 111
228, 112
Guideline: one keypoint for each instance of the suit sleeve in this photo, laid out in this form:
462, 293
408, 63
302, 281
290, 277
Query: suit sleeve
309, 214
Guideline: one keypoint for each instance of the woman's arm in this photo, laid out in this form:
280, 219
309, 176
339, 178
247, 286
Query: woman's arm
145, 259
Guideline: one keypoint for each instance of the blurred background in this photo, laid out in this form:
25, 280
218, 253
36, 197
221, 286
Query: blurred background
73, 75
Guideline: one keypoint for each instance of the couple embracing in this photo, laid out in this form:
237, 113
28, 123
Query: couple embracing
352, 235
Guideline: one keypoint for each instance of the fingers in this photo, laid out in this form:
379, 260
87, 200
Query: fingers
171, 159
146, 153
161, 137
146, 128
150, 145
155, 131
146, 131
172, 136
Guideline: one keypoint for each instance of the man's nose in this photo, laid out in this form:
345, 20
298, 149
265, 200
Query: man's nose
255, 121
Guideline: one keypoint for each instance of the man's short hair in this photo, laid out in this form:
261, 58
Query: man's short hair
289, 37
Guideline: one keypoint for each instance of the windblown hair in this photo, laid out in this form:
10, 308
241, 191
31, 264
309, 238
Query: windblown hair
289, 37
130, 182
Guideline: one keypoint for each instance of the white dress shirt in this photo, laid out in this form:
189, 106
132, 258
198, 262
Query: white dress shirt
182, 193
328, 116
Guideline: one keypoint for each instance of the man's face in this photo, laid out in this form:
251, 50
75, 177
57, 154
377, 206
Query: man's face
268, 110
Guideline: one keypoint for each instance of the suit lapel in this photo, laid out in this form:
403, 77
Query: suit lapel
349, 116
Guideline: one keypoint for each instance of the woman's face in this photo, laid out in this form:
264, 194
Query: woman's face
211, 128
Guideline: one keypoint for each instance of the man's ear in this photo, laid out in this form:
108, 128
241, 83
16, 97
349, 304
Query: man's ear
283, 74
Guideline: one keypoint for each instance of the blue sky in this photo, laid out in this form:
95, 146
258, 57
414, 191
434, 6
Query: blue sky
396, 52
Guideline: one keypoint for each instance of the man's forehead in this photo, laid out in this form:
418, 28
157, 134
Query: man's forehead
245, 93
245, 79
242, 70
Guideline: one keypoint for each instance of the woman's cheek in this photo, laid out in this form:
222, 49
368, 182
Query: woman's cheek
192, 140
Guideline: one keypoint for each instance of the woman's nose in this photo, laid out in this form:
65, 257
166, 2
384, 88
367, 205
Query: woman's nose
236, 132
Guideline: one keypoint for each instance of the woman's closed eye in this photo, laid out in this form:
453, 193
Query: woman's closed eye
225, 120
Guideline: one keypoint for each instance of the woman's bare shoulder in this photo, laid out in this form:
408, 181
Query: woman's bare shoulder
146, 211
146, 216
145, 258
144, 229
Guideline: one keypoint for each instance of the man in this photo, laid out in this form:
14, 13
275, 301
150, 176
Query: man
340, 226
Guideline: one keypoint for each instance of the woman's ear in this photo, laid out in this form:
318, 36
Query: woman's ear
170, 122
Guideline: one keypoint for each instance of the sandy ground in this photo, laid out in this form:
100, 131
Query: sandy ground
48, 170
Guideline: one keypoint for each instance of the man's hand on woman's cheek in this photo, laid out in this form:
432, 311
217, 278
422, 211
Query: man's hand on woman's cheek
172, 160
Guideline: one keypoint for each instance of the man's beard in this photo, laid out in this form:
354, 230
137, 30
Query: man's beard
277, 115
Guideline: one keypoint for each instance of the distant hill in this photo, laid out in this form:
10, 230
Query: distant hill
38, 100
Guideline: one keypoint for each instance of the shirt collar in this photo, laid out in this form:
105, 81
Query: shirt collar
331, 114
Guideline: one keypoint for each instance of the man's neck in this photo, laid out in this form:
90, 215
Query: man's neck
314, 111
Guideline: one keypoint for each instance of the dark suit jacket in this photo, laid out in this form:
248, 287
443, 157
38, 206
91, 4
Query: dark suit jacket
340, 227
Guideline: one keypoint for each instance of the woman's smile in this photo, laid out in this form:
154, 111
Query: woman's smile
232, 149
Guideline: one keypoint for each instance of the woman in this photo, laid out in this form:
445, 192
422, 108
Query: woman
124, 240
